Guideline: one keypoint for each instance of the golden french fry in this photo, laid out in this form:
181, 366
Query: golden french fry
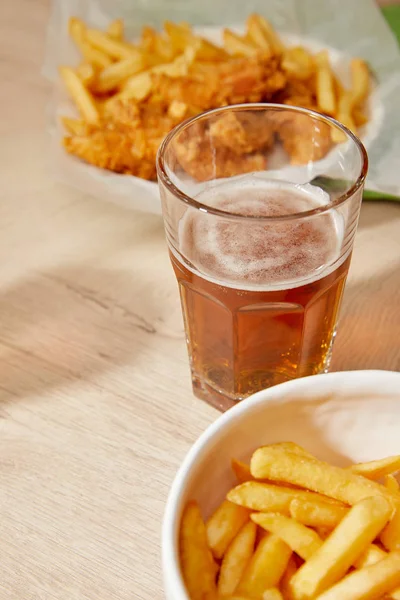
341, 484
93, 56
359, 116
257, 34
116, 29
86, 73
76, 29
373, 555
337, 86
390, 482
272, 594
235, 597
286, 578
376, 469
345, 117
256, 495
287, 467
197, 563
390, 536
274, 41
206, 51
74, 126
111, 77
236, 559
301, 539
324, 84
158, 47
137, 87
265, 568
368, 583
297, 63
241, 470
114, 48
237, 45
223, 526
342, 548
80, 95
317, 513
360, 81
178, 67
292, 447
179, 34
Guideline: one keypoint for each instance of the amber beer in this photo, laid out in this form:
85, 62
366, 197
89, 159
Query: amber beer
260, 299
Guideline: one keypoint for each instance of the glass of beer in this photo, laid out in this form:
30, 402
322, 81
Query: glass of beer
261, 205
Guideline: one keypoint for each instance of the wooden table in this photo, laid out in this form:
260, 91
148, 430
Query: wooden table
96, 409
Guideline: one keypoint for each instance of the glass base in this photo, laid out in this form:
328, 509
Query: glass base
222, 401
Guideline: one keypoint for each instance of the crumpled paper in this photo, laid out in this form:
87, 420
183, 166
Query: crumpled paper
356, 28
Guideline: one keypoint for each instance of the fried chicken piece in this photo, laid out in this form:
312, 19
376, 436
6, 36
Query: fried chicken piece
211, 85
304, 139
253, 79
203, 161
298, 93
112, 150
126, 141
242, 133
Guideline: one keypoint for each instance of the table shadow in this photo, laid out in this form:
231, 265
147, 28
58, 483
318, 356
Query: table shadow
78, 322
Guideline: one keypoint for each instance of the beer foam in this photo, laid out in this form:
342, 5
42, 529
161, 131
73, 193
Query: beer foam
261, 255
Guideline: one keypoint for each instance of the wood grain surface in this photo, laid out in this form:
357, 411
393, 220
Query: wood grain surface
96, 409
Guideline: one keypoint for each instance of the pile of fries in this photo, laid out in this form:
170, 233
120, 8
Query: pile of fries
297, 528
130, 96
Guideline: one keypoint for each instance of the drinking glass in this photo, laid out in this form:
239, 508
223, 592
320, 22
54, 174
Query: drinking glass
261, 205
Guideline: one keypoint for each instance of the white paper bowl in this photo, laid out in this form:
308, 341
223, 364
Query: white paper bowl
340, 417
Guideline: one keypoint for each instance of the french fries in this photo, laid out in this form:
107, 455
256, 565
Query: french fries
325, 85
334, 482
241, 470
93, 56
281, 553
376, 469
391, 483
111, 77
337, 554
81, 96
302, 540
116, 29
317, 513
111, 46
172, 74
256, 495
284, 584
75, 126
270, 34
223, 525
197, 563
266, 567
238, 45
360, 81
257, 34
298, 63
87, 73
368, 583
272, 594
236, 559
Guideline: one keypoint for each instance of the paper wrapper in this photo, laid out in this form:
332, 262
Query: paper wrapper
355, 28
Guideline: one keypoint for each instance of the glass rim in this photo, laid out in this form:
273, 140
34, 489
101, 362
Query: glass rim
188, 200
